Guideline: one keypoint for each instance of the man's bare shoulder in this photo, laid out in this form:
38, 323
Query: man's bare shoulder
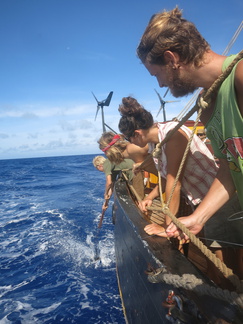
239, 85
239, 74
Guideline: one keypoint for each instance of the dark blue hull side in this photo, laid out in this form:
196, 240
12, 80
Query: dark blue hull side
136, 253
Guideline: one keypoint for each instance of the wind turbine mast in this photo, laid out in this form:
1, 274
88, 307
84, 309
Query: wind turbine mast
162, 103
101, 104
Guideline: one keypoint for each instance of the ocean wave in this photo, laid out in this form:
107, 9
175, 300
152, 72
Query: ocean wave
56, 266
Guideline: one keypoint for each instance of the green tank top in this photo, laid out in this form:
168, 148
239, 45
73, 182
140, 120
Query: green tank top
225, 129
115, 169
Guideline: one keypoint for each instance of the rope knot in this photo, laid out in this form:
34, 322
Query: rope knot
157, 151
166, 208
202, 103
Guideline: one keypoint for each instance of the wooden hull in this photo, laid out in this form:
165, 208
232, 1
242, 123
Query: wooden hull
136, 252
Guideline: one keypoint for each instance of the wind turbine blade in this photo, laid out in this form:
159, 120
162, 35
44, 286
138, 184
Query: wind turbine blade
160, 99
95, 97
98, 107
108, 99
172, 101
166, 92
159, 111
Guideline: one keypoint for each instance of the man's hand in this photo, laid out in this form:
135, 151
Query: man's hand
190, 222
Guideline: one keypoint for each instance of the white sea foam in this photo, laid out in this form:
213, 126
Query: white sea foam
4, 320
29, 315
16, 221
4, 290
49, 244
86, 305
43, 246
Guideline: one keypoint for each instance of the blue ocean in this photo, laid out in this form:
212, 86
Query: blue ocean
49, 270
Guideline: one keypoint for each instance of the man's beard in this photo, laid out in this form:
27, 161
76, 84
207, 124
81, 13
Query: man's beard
180, 87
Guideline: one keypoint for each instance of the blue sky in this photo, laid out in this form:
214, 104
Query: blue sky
55, 52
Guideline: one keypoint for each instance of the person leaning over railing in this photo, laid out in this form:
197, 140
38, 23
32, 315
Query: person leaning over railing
173, 50
197, 175
112, 171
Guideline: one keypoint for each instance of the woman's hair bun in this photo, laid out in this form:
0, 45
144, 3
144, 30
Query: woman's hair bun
130, 107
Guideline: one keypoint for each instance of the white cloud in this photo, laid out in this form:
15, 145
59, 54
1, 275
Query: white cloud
45, 110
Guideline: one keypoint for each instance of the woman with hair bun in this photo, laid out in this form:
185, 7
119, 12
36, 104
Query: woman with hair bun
138, 127
198, 173
133, 117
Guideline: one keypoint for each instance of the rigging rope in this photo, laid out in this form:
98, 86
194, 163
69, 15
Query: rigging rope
203, 101
201, 104
184, 157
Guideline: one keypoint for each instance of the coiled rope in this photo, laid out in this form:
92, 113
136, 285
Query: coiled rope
191, 282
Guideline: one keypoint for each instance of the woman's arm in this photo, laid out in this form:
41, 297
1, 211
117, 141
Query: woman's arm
108, 187
147, 202
135, 153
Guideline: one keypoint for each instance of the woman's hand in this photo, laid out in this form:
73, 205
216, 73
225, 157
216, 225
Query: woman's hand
104, 207
144, 204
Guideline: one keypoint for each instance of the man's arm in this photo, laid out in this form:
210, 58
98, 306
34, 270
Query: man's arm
219, 193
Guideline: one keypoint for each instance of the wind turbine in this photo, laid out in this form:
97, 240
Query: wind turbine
101, 104
162, 102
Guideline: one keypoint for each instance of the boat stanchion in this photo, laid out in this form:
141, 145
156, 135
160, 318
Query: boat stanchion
175, 313
171, 302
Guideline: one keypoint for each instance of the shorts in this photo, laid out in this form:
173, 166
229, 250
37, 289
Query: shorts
225, 227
